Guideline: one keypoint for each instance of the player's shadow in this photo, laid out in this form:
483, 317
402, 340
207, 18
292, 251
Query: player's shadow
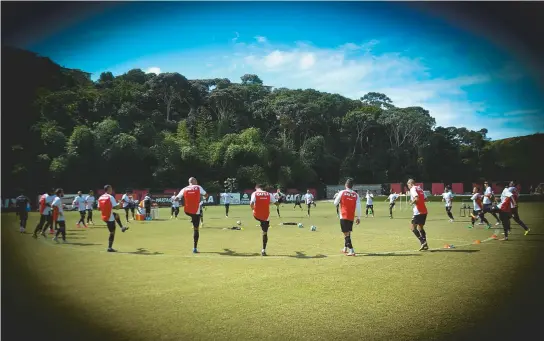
229, 252
389, 254
144, 252
455, 250
303, 255
81, 244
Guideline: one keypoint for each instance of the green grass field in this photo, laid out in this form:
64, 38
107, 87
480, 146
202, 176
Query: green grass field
154, 288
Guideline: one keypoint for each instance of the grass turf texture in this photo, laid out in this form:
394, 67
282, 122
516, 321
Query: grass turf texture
155, 289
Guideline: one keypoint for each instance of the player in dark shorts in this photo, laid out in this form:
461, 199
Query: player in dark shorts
350, 210
280, 199
21, 205
488, 207
132, 206
515, 214
417, 200
297, 202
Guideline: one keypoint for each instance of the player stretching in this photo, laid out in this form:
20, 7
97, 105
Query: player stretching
297, 202
45, 214
417, 199
191, 195
350, 207
21, 205
89, 205
515, 214
488, 194
175, 206
309, 199
280, 199
80, 203
505, 211
58, 215
392, 198
447, 197
106, 204
369, 203
126, 202
477, 212
260, 204
226, 197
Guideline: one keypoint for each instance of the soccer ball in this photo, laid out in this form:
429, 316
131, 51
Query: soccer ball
239, 222
300, 225
313, 228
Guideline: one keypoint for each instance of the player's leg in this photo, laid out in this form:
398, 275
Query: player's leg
90, 216
126, 213
488, 209
195, 220
372, 209
391, 205
309, 206
366, 212
422, 218
473, 216
278, 209
82, 218
483, 219
227, 207
264, 227
39, 227
448, 211
414, 228
172, 209
23, 218
176, 212
347, 227
132, 212
61, 231
515, 216
505, 220
111, 229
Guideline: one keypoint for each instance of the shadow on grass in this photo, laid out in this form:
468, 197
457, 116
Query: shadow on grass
298, 254
143, 251
455, 250
80, 244
389, 254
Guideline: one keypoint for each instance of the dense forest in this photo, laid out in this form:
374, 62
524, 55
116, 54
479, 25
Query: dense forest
141, 130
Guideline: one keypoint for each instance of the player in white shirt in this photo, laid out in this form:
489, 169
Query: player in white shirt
58, 215
106, 204
309, 200
126, 202
89, 204
478, 208
175, 206
488, 203
515, 214
226, 197
369, 203
81, 207
392, 198
46, 219
280, 199
447, 197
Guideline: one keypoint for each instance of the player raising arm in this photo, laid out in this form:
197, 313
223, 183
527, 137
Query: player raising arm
191, 196
447, 197
349, 205
417, 200
392, 198
106, 204
260, 204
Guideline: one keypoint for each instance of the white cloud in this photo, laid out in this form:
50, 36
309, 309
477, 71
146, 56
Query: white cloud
153, 69
235, 39
352, 70
522, 112
261, 39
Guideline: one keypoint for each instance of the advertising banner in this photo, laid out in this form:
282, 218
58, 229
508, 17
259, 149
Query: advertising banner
290, 195
161, 199
437, 188
234, 198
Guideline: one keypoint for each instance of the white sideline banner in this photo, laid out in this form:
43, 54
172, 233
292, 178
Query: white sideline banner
234, 198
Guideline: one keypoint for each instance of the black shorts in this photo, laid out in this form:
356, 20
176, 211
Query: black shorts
514, 211
391, 204
370, 206
448, 208
111, 226
264, 224
505, 216
61, 223
23, 215
488, 208
419, 219
227, 205
89, 210
346, 225
309, 205
476, 213
195, 219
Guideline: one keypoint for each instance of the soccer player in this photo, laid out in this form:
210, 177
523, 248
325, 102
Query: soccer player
125, 200
147, 206
447, 197
80, 203
505, 211
58, 215
21, 205
392, 198
488, 194
297, 202
175, 206
89, 204
369, 203
350, 209
417, 200
226, 197
106, 203
191, 195
260, 204
309, 199
515, 214
478, 209
45, 213
280, 198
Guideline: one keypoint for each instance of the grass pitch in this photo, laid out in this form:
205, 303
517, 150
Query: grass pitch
154, 288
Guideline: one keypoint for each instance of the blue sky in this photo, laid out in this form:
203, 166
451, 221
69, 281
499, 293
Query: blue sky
347, 48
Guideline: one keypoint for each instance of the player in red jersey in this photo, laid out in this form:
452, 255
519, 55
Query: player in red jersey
260, 204
191, 196
417, 200
46, 216
515, 214
106, 203
478, 211
349, 209
505, 210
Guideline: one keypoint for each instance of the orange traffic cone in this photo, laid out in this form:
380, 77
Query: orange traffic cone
446, 246
477, 242
494, 236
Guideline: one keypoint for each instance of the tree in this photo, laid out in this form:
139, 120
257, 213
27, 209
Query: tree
170, 87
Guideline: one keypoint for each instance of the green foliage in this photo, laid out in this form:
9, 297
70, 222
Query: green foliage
147, 130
